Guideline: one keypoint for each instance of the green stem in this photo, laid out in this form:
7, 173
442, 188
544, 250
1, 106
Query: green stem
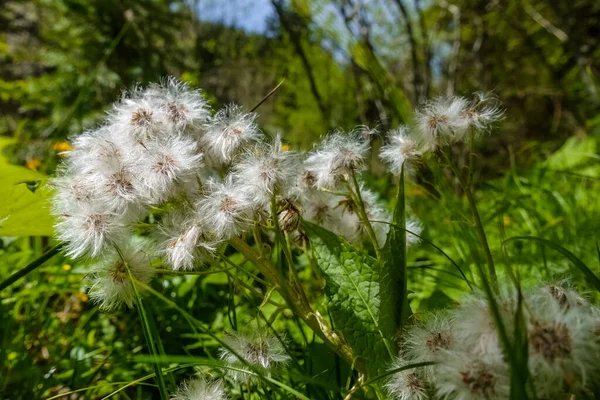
160, 380
364, 219
282, 239
476, 220
31, 266
301, 308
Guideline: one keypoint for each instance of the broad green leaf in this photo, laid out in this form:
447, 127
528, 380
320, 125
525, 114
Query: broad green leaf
24, 203
394, 304
353, 290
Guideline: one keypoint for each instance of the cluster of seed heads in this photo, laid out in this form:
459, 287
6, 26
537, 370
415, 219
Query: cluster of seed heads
164, 159
469, 361
167, 178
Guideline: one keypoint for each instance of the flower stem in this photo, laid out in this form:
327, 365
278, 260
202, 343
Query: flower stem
362, 213
301, 308
31, 266
467, 187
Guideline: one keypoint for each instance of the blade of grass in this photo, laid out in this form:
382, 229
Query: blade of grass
31, 266
162, 388
169, 359
432, 245
592, 278
395, 370
150, 376
203, 329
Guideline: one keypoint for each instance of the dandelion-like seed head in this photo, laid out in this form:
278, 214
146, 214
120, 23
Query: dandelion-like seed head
482, 112
228, 131
442, 121
337, 157
402, 150
184, 109
200, 389
226, 209
135, 117
186, 240
463, 376
479, 380
265, 171
258, 349
408, 384
550, 339
428, 341
164, 164
87, 230
556, 296
111, 282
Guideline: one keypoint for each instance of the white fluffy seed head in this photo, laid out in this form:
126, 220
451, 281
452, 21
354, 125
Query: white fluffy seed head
409, 384
163, 164
185, 110
200, 389
482, 112
88, 230
337, 157
137, 117
464, 376
265, 171
401, 150
428, 341
323, 209
186, 242
475, 328
111, 281
563, 347
226, 209
413, 225
443, 121
557, 297
95, 152
229, 130
259, 349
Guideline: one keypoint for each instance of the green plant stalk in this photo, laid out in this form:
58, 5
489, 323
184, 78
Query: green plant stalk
160, 381
286, 248
476, 220
303, 309
32, 266
362, 213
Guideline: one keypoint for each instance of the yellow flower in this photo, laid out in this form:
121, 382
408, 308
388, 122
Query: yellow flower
82, 296
285, 147
66, 267
33, 163
61, 146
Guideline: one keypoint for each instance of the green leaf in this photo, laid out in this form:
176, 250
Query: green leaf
592, 278
393, 277
25, 201
519, 374
149, 334
353, 290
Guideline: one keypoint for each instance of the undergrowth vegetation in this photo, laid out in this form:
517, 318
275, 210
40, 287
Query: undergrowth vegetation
197, 257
